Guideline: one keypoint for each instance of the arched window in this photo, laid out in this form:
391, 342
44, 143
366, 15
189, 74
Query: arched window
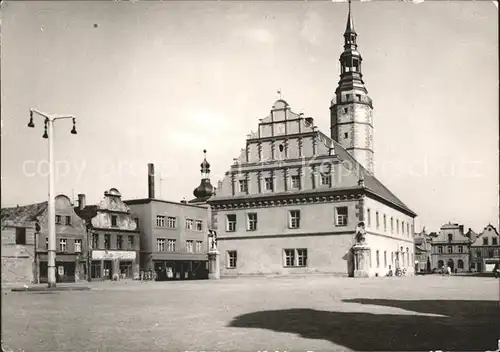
460, 264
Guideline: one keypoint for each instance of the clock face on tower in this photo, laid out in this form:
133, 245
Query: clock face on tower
279, 129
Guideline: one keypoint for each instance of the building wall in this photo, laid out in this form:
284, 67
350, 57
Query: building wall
458, 239
484, 256
17, 260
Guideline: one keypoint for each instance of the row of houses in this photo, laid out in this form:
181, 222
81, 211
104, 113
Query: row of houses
461, 251
113, 239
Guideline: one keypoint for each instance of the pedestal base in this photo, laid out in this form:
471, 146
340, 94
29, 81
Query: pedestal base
361, 260
213, 265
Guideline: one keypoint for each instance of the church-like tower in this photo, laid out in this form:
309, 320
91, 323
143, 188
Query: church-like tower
205, 190
351, 108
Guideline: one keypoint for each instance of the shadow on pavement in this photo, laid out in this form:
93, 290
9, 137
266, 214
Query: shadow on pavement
463, 326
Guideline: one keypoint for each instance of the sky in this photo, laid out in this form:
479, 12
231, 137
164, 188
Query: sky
161, 81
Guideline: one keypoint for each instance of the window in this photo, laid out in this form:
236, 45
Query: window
345, 110
172, 222
341, 216
160, 245
295, 181
408, 257
358, 97
281, 148
385, 259
392, 225
385, 223
494, 241
107, 241
478, 254
490, 253
46, 243
114, 220
450, 237
20, 235
377, 220
58, 219
130, 242
231, 259
63, 245
189, 224
243, 186
408, 228
295, 257
119, 242
137, 222
460, 249
199, 225
397, 227
160, 221
189, 246
269, 183
403, 227
368, 217
485, 241
199, 246
252, 221
294, 219
450, 249
346, 135
171, 245
440, 249
231, 223
326, 180
95, 241
78, 246
460, 264
377, 257
68, 220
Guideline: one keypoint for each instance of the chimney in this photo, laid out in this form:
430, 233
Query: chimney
81, 201
151, 181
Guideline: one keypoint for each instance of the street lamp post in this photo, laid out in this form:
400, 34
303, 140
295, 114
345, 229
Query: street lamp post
49, 134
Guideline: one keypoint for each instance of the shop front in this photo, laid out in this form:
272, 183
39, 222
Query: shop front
180, 267
69, 268
113, 265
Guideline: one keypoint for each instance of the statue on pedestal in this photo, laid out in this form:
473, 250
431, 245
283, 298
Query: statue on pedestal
360, 233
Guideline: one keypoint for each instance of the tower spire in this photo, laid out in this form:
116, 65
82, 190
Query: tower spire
350, 24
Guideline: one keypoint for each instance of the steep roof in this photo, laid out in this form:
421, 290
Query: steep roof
370, 182
25, 213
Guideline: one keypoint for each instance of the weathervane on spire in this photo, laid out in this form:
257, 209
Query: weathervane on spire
279, 93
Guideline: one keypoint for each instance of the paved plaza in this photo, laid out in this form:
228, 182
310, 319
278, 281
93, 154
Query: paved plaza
260, 314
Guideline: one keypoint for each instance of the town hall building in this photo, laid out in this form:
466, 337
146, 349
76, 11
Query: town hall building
294, 197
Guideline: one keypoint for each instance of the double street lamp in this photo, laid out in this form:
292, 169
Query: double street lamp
49, 134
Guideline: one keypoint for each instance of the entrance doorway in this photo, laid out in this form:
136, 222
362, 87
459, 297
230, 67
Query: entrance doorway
451, 264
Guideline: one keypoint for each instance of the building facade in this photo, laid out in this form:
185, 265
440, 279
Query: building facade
292, 199
485, 250
451, 248
173, 236
423, 250
112, 237
19, 242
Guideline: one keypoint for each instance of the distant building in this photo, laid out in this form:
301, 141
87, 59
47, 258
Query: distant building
18, 242
485, 250
423, 250
113, 237
451, 248
292, 199
173, 235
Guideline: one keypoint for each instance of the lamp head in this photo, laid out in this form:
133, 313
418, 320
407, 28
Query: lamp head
73, 130
31, 124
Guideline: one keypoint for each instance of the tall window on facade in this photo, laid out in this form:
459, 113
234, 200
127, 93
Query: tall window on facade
243, 186
231, 259
392, 225
252, 221
189, 224
485, 241
460, 264
231, 222
397, 227
160, 221
408, 228
450, 237
58, 219
295, 257
494, 241
478, 254
189, 246
392, 258
131, 242
107, 241
460, 249
385, 259
440, 249
490, 253
20, 235
295, 181
114, 220
269, 184
95, 241
326, 180
341, 216
377, 220
68, 220
199, 246
408, 256
160, 245
377, 258
368, 217
385, 223
172, 222
450, 249
199, 225
294, 219
46, 244
78, 246
119, 242
403, 227
63, 245
171, 245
